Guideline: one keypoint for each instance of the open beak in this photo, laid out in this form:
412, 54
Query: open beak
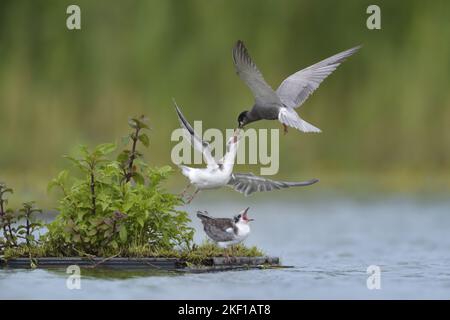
244, 215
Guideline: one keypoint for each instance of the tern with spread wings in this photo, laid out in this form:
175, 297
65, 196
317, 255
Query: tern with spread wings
220, 173
292, 92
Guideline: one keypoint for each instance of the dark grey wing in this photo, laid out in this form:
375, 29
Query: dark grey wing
249, 73
219, 229
199, 144
248, 183
295, 89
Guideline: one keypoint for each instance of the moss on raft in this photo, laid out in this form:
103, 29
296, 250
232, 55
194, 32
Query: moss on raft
195, 255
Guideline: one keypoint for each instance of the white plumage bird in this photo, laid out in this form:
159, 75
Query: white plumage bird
220, 173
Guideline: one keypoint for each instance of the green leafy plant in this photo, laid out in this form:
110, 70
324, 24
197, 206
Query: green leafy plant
128, 157
4, 190
17, 229
108, 208
6, 218
28, 231
9, 231
116, 204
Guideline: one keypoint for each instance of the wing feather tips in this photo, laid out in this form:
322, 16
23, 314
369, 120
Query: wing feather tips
337, 59
353, 50
304, 183
242, 59
238, 51
184, 123
235, 51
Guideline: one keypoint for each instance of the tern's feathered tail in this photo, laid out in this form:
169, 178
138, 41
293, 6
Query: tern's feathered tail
203, 215
184, 170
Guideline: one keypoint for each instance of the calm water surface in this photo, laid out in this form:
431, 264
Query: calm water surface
329, 244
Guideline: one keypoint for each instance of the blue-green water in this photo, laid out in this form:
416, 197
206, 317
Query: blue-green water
329, 243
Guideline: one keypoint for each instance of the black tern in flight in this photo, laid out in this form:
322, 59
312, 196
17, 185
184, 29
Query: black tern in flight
225, 231
292, 92
220, 173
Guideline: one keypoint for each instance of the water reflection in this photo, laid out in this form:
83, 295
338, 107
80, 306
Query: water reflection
329, 243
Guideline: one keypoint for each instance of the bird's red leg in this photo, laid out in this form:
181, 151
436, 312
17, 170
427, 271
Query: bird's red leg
185, 190
285, 129
193, 196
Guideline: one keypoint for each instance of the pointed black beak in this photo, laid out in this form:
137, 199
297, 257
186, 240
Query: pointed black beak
244, 215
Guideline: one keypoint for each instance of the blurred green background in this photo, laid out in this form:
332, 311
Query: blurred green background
384, 113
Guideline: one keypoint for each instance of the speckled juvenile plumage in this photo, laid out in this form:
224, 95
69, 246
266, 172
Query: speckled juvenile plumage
226, 231
216, 228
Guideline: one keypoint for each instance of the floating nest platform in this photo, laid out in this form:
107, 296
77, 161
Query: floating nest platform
169, 264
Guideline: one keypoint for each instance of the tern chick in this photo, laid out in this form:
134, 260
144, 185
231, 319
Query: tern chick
225, 231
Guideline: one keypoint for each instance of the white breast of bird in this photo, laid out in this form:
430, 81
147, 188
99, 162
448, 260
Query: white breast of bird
243, 230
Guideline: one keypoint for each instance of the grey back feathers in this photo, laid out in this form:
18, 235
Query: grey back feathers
216, 228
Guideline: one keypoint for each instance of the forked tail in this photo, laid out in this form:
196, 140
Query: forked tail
290, 118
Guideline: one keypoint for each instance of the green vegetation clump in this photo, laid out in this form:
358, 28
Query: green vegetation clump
197, 255
208, 250
115, 204
109, 208
17, 229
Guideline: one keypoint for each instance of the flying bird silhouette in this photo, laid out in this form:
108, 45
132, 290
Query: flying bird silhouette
292, 92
